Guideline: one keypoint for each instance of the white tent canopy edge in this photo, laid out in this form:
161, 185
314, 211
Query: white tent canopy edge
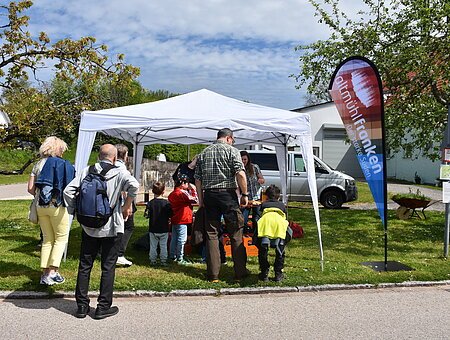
195, 118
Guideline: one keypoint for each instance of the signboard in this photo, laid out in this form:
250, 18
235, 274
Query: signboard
447, 155
444, 172
446, 192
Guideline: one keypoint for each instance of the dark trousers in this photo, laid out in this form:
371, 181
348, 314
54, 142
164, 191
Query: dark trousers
218, 203
263, 252
125, 237
89, 249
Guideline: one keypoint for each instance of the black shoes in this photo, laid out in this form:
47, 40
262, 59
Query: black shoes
101, 314
82, 311
240, 278
278, 277
263, 277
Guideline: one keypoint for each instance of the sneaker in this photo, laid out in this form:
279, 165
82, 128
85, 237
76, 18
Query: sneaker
46, 280
122, 261
164, 264
57, 278
224, 263
183, 263
153, 264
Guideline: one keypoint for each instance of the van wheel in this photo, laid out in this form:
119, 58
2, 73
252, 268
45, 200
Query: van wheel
332, 199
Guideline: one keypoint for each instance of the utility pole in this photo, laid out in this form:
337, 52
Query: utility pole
446, 144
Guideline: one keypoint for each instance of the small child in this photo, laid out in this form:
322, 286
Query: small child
271, 232
181, 199
158, 211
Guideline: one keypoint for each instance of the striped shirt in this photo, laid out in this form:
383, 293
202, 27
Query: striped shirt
217, 166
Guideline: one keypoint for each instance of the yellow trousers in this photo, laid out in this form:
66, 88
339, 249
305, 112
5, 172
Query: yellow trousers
54, 224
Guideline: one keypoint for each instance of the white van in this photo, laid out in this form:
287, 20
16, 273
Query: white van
333, 187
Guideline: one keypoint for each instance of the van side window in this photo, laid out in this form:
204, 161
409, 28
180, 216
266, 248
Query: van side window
265, 161
299, 163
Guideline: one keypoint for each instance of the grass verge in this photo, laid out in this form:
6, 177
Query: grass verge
349, 238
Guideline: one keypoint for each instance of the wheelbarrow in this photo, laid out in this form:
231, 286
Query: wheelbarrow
408, 207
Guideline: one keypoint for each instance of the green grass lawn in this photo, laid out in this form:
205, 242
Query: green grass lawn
349, 238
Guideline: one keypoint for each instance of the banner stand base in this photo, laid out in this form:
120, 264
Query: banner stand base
390, 266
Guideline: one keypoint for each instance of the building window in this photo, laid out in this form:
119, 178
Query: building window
316, 151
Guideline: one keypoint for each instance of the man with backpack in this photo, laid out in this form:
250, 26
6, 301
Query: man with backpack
95, 197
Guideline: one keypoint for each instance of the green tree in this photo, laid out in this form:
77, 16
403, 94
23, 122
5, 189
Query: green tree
408, 40
83, 73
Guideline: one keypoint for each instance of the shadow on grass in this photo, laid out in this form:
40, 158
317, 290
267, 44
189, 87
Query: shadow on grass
28, 244
12, 269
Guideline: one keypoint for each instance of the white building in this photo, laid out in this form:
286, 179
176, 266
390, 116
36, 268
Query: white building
330, 143
4, 119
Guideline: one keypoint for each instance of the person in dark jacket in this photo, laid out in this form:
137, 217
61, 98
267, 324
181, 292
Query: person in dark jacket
186, 168
158, 211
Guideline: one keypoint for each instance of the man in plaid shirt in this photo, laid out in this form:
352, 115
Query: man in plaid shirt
218, 173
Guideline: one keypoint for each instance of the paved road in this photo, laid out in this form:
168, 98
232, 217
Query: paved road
19, 191
14, 191
400, 313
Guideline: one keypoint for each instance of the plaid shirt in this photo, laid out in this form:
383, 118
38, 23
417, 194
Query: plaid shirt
217, 166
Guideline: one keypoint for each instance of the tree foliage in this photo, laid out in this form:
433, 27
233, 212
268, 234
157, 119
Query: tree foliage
408, 40
84, 79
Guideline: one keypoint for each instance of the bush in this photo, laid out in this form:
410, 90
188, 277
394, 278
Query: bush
411, 195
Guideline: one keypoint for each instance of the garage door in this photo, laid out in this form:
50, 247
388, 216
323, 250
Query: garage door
339, 154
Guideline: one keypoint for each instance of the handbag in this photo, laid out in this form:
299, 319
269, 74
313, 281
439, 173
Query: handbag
32, 213
199, 227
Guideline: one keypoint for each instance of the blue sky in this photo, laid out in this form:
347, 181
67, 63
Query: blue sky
242, 49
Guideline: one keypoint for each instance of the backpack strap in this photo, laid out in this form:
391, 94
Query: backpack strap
105, 168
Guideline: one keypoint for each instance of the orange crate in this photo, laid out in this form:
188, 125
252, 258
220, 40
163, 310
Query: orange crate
249, 247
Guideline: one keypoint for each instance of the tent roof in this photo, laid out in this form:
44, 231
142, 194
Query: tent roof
194, 118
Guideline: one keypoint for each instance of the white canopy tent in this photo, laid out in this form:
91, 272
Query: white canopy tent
195, 118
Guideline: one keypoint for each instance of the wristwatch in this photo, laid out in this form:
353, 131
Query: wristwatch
245, 195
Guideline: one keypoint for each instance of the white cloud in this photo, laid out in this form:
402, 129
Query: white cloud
232, 45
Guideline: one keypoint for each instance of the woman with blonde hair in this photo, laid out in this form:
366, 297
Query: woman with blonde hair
49, 177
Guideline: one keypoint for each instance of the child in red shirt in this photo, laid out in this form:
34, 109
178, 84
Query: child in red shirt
181, 199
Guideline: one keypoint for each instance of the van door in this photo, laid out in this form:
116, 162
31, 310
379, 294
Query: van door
298, 179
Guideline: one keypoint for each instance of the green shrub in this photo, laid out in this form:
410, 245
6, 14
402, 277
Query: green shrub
417, 195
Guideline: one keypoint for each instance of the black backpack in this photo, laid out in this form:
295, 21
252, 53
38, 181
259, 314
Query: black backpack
93, 209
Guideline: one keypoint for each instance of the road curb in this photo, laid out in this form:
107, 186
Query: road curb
9, 295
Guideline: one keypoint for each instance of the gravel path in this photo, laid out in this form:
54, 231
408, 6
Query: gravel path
435, 195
